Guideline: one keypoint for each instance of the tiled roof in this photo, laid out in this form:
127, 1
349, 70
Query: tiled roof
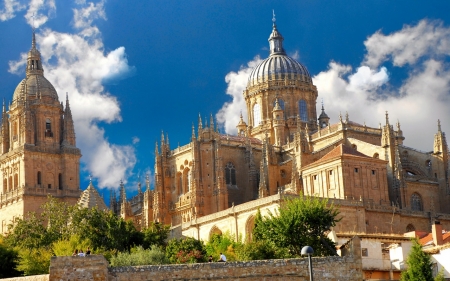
341, 150
90, 198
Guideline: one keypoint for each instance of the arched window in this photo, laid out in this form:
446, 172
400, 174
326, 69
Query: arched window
416, 202
410, 228
39, 178
376, 155
280, 102
256, 115
10, 186
303, 110
428, 163
186, 180
5, 185
230, 174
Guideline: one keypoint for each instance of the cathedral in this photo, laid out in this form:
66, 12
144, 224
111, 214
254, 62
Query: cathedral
217, 182
38, 154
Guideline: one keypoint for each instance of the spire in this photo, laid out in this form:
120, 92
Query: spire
439, 121
275, 39
156, 149
68, 130
211, 122
387, 118
34, 65
193, 131
147, 182
139, 185
123, 194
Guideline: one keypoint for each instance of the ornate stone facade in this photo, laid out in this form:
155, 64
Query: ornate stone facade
286, 149
39, 156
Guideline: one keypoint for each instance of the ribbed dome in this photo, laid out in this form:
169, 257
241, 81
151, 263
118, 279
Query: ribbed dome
279, 66
33, 86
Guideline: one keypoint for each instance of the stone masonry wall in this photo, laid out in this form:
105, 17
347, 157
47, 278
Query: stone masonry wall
95, 268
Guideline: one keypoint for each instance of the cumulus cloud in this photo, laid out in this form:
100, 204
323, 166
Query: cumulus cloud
10, 7
417, 103
411, 43
39, 12
228, 115
78, 64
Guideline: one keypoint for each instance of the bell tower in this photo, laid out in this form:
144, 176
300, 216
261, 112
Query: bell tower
39, 156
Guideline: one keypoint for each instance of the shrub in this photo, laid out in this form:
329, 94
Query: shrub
140, 256
188, 250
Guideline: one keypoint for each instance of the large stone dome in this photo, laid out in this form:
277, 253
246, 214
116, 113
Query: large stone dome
34, 86
278, 66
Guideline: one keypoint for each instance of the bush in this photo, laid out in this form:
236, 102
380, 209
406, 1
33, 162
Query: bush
34, 261
222, 244
260, 250
140, 256
66, 247
188, 250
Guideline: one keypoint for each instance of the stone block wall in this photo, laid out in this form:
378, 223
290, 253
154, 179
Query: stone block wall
95, 268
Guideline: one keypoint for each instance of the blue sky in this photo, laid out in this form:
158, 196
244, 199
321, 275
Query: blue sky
135, 68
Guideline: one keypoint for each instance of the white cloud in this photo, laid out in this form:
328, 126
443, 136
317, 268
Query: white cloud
10, 7
406, 46
39, 12
228, 115
78, 64
417, 103
135, 140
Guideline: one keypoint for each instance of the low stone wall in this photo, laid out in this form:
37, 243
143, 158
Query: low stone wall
95, 268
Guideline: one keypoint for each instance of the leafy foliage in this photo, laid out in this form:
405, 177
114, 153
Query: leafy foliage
155, 234
8, 261
187, 250
222, 244
66, 247
260, 250
140, 256
419, 265
299, 222
34, 261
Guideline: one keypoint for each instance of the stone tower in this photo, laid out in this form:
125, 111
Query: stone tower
283, 79
39, 156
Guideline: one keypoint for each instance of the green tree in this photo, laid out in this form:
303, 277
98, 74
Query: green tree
155, 234
222, 243
299, 222
419, 265
34, 261
8, 261
185, 250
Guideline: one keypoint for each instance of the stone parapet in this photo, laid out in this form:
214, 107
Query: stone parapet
44, 277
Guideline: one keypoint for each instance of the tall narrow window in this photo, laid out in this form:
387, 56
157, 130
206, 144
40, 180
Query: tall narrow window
280, 102
60, 183
5, 185
256, 115
48, 128
16, 181
180, 183
416, 202
230, 174
303, 110
39, 178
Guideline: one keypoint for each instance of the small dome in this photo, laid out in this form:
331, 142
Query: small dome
279, 67
33, 86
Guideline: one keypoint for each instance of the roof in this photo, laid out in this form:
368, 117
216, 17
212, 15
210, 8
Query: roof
90, 198
427, 240
240, 139
340, 151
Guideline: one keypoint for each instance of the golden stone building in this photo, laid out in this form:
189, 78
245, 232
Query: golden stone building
380, 184
39, 156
